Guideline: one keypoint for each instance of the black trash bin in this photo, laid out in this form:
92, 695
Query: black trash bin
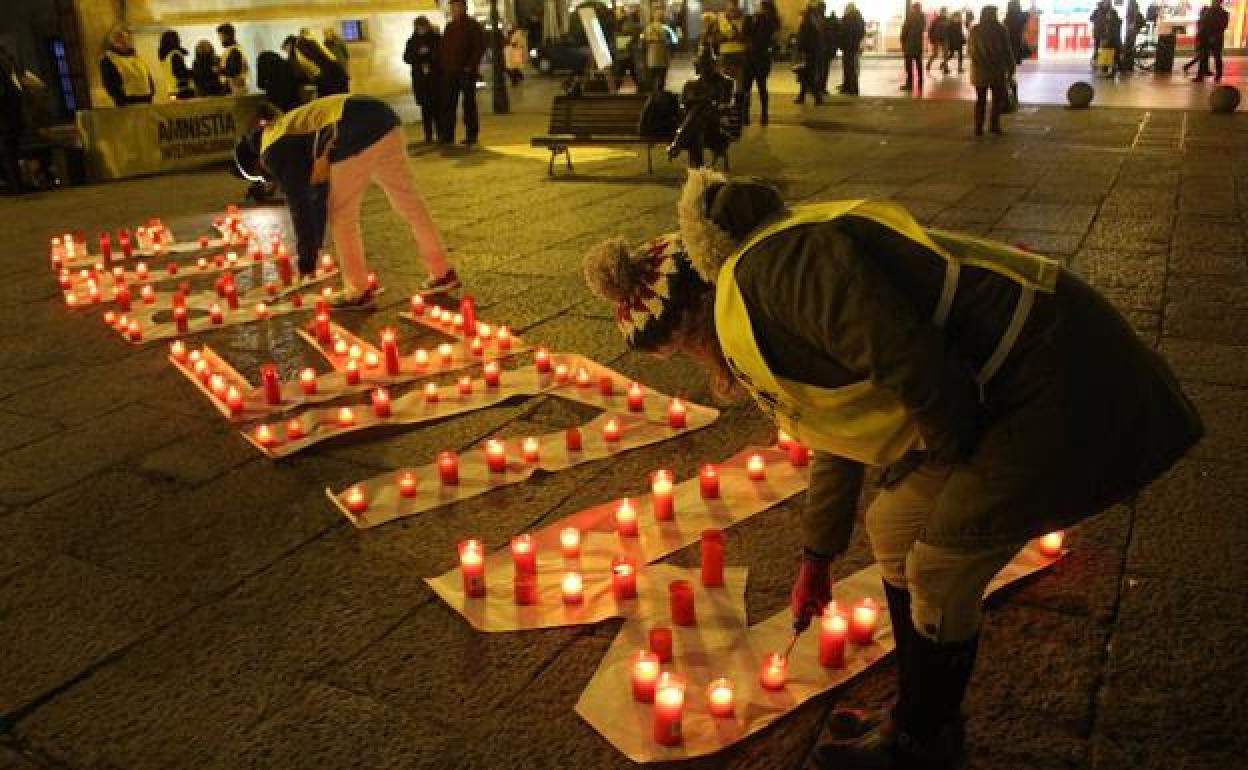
1165, 53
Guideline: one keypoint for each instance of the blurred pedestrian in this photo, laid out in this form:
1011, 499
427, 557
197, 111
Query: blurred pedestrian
337, 46
1210, 39
233, 63
206, 71
1016, 25
628, 31
177, 76
810, 54
853, 30
831, 44
955, 41
1111, 43
324, 154
1134, 21
275, 75
125, 75
316, 65
937, 33
1098, 18
463, 45
731, 37
760, 34
992, 66
912, 29
421, 55
12, 123
658, 39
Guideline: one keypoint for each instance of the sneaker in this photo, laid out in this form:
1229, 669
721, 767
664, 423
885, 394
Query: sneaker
448, 282
361, 301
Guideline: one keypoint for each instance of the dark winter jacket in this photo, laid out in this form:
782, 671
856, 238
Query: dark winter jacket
955, 36
810, 38
206, 73
760, 33
463, 45
1211, 26
912, 33
936, 31
421, 54
853, 30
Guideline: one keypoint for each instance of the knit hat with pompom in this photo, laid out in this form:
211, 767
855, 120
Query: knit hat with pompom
651, 286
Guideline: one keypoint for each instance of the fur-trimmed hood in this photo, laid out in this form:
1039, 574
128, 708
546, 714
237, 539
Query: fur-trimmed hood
716, 214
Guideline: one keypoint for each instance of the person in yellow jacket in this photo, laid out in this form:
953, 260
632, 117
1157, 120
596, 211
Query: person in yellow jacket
1001, 395
125, 75
730, 35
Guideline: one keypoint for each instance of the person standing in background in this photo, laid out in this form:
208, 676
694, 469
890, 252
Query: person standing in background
421, 54
1210, 37
336, 45
760, 31
731, 35
831, 44
1016, 25
810, 49
853, 30
912, 47
206, 71
955, 41
125, 75
658, 45
936, 34
463, 45
233, 63
177, 75
992, 66
12, 123
275, 75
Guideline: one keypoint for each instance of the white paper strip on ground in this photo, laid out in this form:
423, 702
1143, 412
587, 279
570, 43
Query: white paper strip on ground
462, 356
735, 653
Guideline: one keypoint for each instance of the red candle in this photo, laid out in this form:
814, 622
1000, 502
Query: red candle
431, 393
180, 320
669, 706
541, 359
636, 398
284, 272
327, 263
531, 450
272, 387
346, 417
356, 502
407, 484
676, 414
493, 374
464, 386
756, 467
611, 431
307, 381
799, 456
661, 643
448, 468
122, 297
231, 295
106, 247
203, 371
661, 493
172, 268
561, 374
262, 311
503, 338
421, 359
583, 380
645, 675
626, 518
572, 438
381, 402
140, 271
148, 294
774, 672
202, 264
477, 347
446, 354
712, 557
472, 566
570, 542
457, 322
862, 622
390, 348
135, 331
573, 588
623, 579
178, 351
680, 597
606, 385
234, 400
294, 429
524, 554
214, 313
264, 436
1051, 544
524, 589
468, 309
110, 318
832, 633
352, 371
708, 482
720, 698
496, 456
123, 238
296, 300
417, 305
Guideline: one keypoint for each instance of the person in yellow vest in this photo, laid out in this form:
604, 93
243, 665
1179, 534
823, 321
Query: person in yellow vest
730, 34
123, 72
177, 75
324, 154
1002, 397
234, 66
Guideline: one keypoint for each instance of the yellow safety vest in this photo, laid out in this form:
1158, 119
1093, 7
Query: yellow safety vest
135, 79
731, 40
238, 83
172, 83
310, 119
861, 421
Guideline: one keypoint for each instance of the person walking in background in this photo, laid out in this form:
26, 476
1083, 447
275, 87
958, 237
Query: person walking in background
992, 65
1210, 39
177, 75
1016, 25
336, 46
1134, 22
123, 72
853, 30
760, 32
463, 45
912, 47
657, 39
627, 44
1098, 17
206, 71
831, 42
233, 63
955, 41
421, 55
810, 50
937, 32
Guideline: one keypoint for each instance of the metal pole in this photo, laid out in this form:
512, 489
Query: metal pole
502, 105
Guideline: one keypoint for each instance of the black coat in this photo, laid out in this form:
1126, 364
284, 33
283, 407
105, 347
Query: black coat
853, 30
421, 54
276, 77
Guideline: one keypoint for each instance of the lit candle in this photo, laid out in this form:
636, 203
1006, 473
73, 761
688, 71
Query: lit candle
307, 381
180, 320
352, 372
431, 393
381, 402
448, 468
407, 484
446, 354
284, 272
472, 567
531, 450
606, 385
661, 643
756, 467
524, 554
573, 589
214, 313
623, 579
636, 398
862, 622
371, 360
264, 436
110, 318
503, 338
71, 299
774, 672
541, 359
493, 374
832, 633
468, 310
421, 358
218, 386
148, 294
712, 557
676, 414
178, 351
436, 313
172, 268
106, 247
122, 297
417, 305
135, 331
294, 429
202, 263
680, 599
799, 456
464, 386
272, 387
572, 439
524, 588
484, 331
327, 262
346, 417
234, 400
561, 374
583, 379
457, 322
477, 347
356, 502
1051, 544
140, 271
127, 249
720, 698
496, 456
626, 518
570, 542
645, 675
664, 502
611, 431
669, 706
708, 482
203, 371
355, 352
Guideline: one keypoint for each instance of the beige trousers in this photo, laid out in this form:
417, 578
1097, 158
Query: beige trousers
946, 585
386, 163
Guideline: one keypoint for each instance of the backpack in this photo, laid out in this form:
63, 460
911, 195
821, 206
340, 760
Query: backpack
660, 116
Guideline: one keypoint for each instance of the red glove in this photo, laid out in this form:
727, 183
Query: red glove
812, 591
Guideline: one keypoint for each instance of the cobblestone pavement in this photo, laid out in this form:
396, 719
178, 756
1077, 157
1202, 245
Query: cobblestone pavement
169, 599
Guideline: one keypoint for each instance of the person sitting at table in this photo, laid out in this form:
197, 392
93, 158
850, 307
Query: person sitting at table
125, 75
206, 71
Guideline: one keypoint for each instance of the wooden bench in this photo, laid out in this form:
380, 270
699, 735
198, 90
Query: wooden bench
595, 121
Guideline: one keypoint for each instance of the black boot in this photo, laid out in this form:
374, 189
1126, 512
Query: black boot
979, 118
